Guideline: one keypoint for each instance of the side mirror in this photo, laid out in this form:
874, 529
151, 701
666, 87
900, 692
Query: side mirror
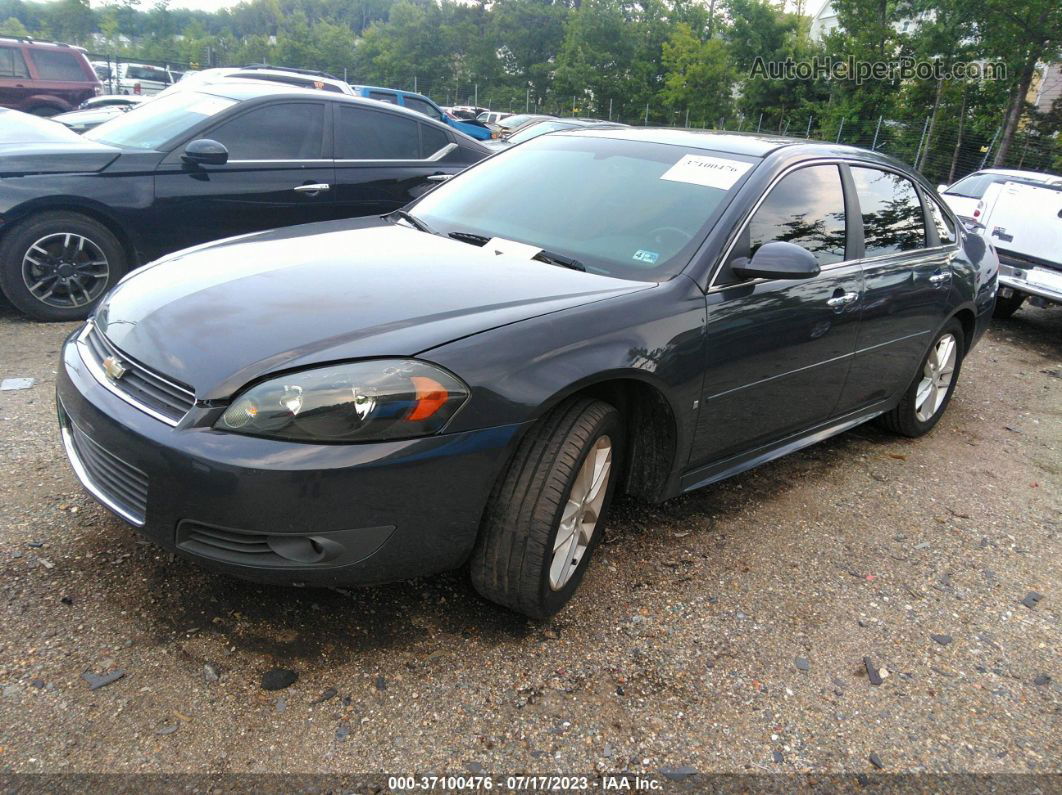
941, 188
779, 260
204, 152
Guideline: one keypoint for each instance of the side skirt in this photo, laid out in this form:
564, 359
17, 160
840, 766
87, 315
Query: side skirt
720, 470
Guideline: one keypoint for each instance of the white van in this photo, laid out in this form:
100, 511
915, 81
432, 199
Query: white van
134, 78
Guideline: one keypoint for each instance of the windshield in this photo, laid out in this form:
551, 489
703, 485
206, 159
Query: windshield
541, 128
152, 124
515, 121
630, 209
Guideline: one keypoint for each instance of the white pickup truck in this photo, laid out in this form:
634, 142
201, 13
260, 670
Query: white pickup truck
1024, 224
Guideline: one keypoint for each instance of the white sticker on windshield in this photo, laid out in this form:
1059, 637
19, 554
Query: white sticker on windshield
712, 172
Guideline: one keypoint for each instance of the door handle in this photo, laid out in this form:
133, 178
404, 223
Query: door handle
938, 279
439, 177
842, 300
312, 189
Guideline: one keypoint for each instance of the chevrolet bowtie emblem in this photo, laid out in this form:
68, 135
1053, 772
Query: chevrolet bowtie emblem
114, 368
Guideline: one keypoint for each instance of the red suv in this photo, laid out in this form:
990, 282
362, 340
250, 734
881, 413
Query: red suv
43, 78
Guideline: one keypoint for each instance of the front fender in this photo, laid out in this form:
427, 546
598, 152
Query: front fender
519, 372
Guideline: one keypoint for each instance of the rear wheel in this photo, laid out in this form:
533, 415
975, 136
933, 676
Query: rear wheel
57, 266
930, 392
1007, 306
546, 514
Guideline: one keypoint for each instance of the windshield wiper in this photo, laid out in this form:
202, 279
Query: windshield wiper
553, 258
470, 237
413, 221
549, 257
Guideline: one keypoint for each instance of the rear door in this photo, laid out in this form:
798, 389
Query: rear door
14, 78
779, 350
279, 173
385, 159
907, 284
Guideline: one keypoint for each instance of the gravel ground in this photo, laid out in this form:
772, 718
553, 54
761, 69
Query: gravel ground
726, 630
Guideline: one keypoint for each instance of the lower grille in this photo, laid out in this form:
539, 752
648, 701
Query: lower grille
121, 487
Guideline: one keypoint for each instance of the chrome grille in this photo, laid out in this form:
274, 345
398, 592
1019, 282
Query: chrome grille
141, 386
120, 486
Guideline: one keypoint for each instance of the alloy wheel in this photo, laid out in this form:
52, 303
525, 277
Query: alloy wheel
65, 270
936, 378
581, 512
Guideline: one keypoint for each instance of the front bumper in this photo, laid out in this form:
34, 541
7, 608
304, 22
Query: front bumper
1030, 279
282, 512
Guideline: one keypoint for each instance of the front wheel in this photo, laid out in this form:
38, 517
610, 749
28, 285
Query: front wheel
928, 396
546, 514
57, 265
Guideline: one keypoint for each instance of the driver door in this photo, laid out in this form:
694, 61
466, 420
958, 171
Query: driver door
279, 173
779, 350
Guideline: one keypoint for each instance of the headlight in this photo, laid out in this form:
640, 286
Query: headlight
358, 402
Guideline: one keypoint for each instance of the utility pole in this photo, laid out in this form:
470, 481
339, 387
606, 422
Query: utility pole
610, 108
840, 130
760, 122
874, 146
527, 101
918, 153
807, 134
646, 114
687, 117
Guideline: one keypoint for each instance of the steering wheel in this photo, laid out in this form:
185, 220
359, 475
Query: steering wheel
661, 233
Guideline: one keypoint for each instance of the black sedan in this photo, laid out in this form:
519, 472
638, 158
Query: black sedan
78, 212
471, 380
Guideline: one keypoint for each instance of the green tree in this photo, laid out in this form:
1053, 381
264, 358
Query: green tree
698, 77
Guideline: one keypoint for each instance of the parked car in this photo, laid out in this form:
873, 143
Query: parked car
136, 79
511, 124
23, 128
537, 128
44, 78
491, 118
199, 165
962, 197
469, 381
1021, 221
93, 112
300, 78
422, 104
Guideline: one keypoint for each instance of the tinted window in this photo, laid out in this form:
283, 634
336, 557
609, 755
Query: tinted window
892, 215
288, 131
806, 208
147, 73
945, 231
432, 139
368, 135
420, 106
972, 187
11, 63
53, 65
383, 96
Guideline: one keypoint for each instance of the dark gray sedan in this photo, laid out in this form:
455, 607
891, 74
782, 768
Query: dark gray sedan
470, 380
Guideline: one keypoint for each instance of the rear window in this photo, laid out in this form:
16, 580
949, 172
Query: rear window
147, 73
420, 106
892, 214
363, 134
56, 65
945, 230
11, 63
383, 96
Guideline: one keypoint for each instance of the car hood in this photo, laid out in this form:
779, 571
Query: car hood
221, 315
79, 156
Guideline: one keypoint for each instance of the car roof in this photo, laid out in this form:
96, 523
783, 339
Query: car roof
754, 144
1039, 176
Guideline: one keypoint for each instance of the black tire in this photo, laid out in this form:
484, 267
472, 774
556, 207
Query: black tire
45, 111
511, 562
903, 419
17, 242
1005, 307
